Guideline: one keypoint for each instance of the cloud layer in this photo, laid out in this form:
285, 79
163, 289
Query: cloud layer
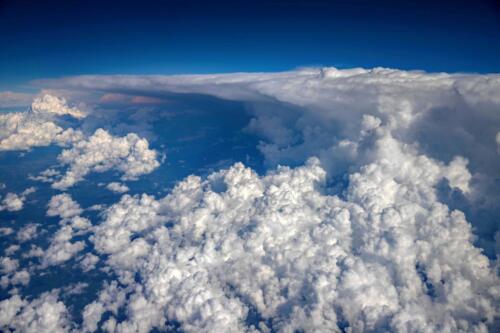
246, 252
329, 113
383, 220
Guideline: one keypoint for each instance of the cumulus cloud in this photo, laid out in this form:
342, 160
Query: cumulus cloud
20, 133
5, 231
44, 314
28, 232
130, 155
89, 262
64, 206
10, 275
12, 249
387, 256
34, 252
117, 187
21, 277
48, 104
61, 247
24, 130
98, 153
13, 202
46, 176
8, 265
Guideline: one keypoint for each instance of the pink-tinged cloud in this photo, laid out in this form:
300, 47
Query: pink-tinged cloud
146, 100
114, 98
14, 99
128, 99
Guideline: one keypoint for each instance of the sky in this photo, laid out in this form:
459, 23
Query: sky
60, 38
254, 167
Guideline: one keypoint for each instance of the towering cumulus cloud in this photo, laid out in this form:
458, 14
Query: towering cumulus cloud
239, 252
376, 211
48, 104
23, 130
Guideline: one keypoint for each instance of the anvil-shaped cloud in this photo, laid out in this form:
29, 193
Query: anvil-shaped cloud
385, 218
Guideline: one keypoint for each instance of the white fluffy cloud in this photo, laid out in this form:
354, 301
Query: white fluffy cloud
24, 130
8, 265
130, 155
9, 269
100, 152
386, 257
48, 104
117, 187
64, 206
13, 202
61, 247
27, 232
44, 314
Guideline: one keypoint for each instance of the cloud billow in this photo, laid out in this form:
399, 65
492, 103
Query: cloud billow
360, 232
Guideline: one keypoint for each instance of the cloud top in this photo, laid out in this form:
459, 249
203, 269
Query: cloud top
130, 155
387, 257
48, 104
37, 128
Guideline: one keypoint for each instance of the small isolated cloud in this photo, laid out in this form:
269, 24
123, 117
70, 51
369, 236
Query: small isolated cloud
130, 155
117, 187
64, 206
12, 202
27, 233
46, 176
5, 231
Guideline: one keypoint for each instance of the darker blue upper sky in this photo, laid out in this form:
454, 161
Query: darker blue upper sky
57, 38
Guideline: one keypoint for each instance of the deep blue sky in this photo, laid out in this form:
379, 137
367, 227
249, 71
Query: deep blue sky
56, 38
